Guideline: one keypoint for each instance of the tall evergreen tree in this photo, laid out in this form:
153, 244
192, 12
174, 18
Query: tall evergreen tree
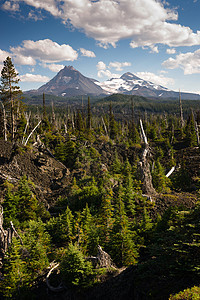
113, 124
10, 91
123, 247
89, 115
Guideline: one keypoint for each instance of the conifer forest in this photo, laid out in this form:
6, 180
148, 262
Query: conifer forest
99, 196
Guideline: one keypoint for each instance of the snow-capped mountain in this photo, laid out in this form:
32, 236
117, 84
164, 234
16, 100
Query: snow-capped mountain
70, 82
130, 84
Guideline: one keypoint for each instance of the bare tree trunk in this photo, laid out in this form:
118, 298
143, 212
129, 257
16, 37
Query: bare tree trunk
4, 122
27, 124
144, 167
197, 132
105, 128
181, 110
31, 133
53, 115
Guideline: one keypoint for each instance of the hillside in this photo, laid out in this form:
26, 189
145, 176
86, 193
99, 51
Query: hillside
87, 181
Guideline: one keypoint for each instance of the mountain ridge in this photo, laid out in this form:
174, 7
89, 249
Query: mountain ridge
70, 82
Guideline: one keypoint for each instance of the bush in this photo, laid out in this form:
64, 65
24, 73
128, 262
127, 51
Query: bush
188, 294
75, 270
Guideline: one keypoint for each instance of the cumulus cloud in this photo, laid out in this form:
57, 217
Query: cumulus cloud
103, 69
145, 22
118, 65
3, 55
157, 79
10, 6
23, 60
43, 50
189, 62
33, 78
53, 67
87, 53
171, 51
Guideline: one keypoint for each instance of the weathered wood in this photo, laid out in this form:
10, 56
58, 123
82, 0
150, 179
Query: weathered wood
170, 172
27, 124
60, 287
181, 110
4, 122
32, 133
104, 125
144, 167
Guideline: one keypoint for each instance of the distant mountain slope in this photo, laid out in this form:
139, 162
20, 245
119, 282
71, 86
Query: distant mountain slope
69, 82
130, 84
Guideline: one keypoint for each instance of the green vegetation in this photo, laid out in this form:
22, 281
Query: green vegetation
103, 202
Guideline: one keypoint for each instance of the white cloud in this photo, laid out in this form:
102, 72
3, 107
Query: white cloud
101, 66
107, 73
157, 79
11, 6
189, 62
23, 60
43, 50
145, 22
3, 55
53, 67
104, 72
171, 51
35, 16
87, 53
118, 66
33, 78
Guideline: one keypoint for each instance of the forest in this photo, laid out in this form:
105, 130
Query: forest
120, 218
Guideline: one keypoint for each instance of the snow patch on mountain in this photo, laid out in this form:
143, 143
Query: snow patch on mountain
128, 83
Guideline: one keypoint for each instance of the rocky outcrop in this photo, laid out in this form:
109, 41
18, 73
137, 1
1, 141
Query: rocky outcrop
49, 176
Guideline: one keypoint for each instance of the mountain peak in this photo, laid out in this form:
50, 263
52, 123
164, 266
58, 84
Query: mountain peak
70, 68
129, 76
70, 82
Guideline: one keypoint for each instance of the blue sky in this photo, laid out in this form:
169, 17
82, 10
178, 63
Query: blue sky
156, 40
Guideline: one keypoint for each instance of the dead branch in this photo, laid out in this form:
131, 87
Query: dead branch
60, 287
32, 133
170, 172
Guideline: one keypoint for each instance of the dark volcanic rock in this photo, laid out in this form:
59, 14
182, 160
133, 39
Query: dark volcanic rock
49, 176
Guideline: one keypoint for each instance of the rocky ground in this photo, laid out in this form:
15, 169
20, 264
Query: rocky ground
49, 176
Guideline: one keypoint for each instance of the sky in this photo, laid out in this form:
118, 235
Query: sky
156, 40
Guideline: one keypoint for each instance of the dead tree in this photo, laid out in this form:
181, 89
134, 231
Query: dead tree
4, 122
181, 111
144, 167
25, 143
6, 236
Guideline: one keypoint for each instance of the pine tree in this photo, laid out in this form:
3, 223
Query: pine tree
79, 121
89, 116
112, 124
160, 181
191, 138
123, 251
106, 217
10, 91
